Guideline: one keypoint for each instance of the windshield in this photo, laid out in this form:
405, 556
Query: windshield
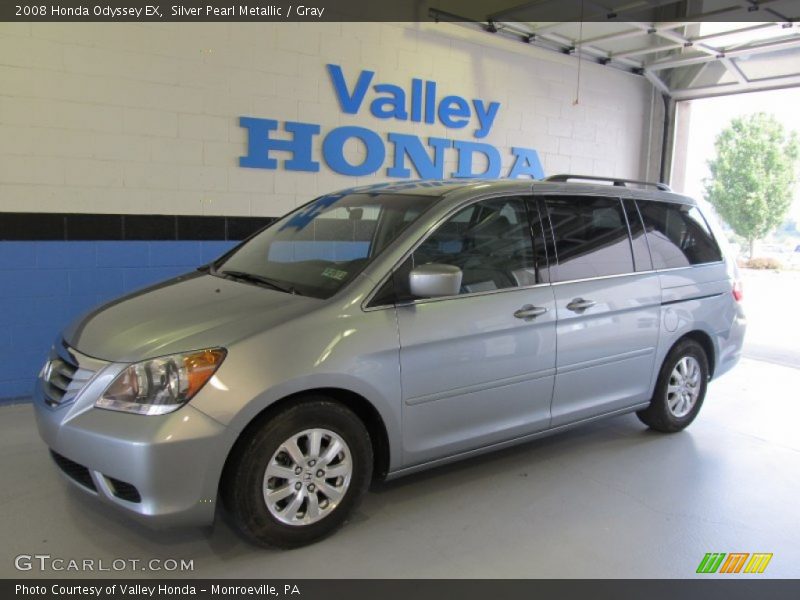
319, 248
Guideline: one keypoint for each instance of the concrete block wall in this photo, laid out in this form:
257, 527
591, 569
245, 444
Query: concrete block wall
132, 118
143, 118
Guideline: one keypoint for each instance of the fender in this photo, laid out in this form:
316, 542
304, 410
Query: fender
263, 401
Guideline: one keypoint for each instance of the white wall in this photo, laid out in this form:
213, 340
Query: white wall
143, 118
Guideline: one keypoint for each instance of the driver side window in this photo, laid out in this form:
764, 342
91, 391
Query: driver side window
498, 244
490, 242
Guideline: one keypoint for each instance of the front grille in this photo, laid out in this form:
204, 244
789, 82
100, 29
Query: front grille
64, 375
74, 471
124, 490
56, 379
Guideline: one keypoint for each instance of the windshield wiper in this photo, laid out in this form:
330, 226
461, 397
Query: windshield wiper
259, 280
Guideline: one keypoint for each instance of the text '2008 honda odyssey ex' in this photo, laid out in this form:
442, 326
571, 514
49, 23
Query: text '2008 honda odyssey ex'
383, 330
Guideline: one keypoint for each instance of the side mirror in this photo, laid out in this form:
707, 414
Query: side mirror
434, 280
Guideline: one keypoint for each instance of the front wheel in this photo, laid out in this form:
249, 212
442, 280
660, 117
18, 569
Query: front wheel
296, 478
680, 389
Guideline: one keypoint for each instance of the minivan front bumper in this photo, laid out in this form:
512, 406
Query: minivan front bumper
164, 469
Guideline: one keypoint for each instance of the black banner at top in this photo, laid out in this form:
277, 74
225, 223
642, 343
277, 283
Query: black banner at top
484, 11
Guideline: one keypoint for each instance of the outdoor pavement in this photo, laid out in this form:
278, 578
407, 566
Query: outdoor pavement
772, 304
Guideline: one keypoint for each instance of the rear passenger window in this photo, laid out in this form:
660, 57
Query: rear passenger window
591, 237
678, 235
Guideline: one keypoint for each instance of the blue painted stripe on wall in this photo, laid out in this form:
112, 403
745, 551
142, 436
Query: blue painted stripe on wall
45, 285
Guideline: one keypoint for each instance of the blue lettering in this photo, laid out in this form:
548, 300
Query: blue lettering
430, 101
454, 112
485, 116
411, 145
465, 152
333, 151
527, 163
394, 104
259, 145
350, 103
454, 106
416, 100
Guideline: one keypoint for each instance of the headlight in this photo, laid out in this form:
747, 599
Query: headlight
161, 385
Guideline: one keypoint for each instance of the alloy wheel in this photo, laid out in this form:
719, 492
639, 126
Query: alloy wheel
684, 385
307, 477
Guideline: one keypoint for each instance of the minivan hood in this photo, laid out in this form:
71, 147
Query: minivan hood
190, 312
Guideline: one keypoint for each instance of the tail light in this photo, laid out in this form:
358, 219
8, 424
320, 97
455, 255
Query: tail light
737, 290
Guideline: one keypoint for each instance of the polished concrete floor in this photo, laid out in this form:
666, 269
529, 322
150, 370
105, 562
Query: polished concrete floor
611, 499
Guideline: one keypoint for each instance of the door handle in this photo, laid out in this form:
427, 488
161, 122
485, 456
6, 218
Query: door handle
580, 305
529, 311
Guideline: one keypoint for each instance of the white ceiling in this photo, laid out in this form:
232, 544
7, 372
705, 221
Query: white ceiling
702, 55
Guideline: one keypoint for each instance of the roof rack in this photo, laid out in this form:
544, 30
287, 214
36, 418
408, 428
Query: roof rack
563, 178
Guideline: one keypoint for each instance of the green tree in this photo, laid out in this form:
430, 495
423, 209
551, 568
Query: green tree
753, 175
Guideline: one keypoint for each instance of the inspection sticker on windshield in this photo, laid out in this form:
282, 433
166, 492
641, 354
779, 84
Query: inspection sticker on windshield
334, 273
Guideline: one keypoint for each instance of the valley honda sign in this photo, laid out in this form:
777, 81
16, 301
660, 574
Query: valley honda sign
421, 104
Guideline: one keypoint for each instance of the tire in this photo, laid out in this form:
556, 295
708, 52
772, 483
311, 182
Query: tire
669, 411
337, 485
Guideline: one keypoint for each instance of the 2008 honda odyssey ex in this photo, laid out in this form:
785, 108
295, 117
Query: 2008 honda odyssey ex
387, 329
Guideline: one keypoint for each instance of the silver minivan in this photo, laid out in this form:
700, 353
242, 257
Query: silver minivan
382, 330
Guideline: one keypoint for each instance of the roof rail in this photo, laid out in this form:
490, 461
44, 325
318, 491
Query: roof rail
563, 178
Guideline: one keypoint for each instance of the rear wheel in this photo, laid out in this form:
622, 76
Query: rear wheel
296, 478
680, 389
